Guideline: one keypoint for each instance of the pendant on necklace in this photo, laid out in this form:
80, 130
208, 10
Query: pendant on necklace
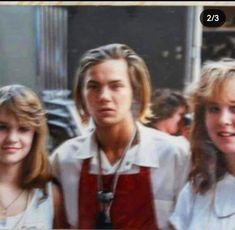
105, 197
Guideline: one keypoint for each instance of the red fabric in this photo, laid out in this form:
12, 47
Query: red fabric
132, 207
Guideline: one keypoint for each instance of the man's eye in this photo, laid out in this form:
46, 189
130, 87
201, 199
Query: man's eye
232, 109
116, 86
92, 86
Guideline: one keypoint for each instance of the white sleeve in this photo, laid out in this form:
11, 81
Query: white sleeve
182, 167
181, 217
55, 164
66, 168
182, 164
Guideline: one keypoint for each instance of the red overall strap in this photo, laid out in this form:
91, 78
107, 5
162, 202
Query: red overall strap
132, 207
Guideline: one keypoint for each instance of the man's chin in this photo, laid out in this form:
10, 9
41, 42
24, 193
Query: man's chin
105, 122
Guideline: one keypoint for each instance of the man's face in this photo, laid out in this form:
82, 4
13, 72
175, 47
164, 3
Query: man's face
108, 93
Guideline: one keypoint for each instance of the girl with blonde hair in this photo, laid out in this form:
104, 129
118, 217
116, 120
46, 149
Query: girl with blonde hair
208, 201
27, 197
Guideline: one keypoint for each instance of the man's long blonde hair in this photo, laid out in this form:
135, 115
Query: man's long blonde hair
137, 70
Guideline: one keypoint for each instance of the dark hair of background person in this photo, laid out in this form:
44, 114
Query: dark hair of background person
164, 104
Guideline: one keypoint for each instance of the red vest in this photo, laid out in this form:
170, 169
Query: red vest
132, 207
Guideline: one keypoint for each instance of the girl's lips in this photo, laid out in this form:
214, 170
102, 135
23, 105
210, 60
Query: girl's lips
10, 149
226, 134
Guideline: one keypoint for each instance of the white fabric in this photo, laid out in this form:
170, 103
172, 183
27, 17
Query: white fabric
213, 211
38, 214
181, 141
167, 162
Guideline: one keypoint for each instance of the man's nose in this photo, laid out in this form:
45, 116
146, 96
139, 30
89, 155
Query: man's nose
105, 93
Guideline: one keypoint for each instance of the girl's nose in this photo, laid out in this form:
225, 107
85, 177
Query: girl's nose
225, 118
12, 136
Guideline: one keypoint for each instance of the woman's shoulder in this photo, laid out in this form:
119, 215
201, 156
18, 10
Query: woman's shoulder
224, 196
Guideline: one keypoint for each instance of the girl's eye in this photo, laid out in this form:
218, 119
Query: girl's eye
213, 109
24, 129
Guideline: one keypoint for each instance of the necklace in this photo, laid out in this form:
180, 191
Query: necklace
22, 218
4, 209
105, 198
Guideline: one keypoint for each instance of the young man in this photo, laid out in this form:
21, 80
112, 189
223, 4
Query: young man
122, 175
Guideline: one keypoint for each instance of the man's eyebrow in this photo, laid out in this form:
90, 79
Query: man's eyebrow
93, 81
115, 81
97, 82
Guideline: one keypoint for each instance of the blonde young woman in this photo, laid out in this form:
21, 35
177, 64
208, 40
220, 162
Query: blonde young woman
27, 197
208, 201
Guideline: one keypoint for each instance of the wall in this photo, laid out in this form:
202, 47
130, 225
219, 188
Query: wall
157, 33
17, 45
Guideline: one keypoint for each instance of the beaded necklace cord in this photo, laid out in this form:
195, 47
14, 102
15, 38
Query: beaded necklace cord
5, 209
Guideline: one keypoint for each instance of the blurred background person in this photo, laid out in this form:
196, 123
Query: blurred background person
185, 125
168, 107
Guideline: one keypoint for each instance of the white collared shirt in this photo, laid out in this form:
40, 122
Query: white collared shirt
214, 210
167, 162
